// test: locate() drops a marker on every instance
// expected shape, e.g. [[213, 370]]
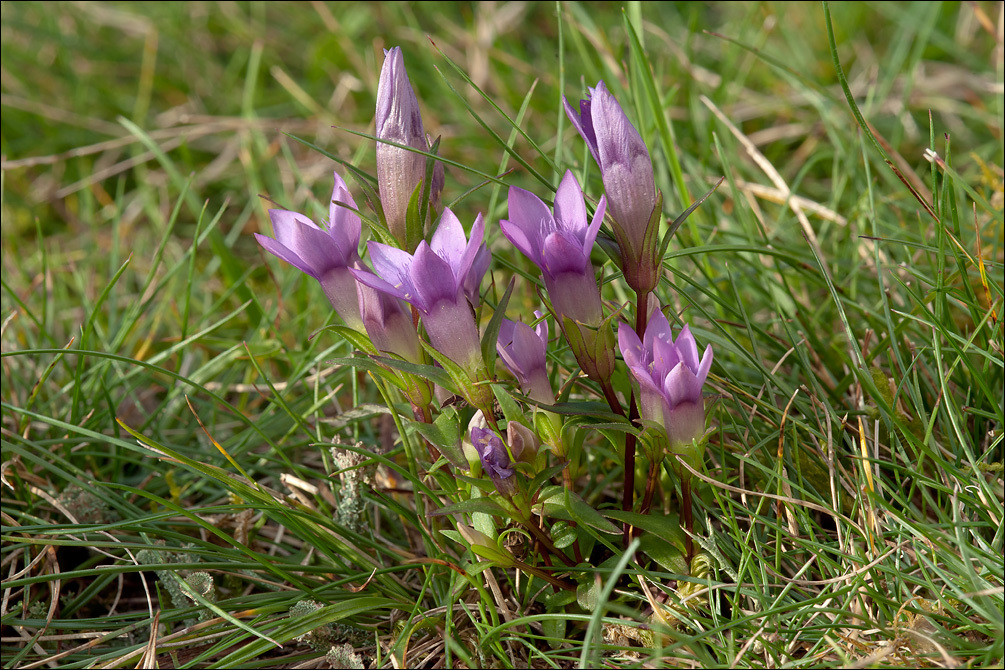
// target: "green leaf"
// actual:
[[568, 505], [511, 410], [588, 593], [445, 434], [545, 476], [668, 556], [554, 629], [667, 527], [672, 228], [583, 513], [491, 335], [483, 505]]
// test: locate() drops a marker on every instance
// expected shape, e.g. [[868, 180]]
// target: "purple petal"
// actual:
[[591, 233], [397, 107], [395, 267], [659, 341], [563, 255], [706, 364], [570, 211], [344, 224], [534, 219], [583, 123], [518, 238], [281, 252], [316, 251], [632, 351], [473, 280], [432, 278], [542, 327], [373, 281], [687, 349], [474, 247], [681, 386], [624, 164], [449, 241]]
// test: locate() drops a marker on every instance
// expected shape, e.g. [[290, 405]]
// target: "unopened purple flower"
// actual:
[[670, 376], [523, 351], [627, 172], [496, 461], [398, 120], [433, 280], [325, 255]]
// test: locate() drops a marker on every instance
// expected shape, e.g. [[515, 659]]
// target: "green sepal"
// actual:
[[491, 335], [650, 261], [371, 365], [428, 372], [427, 181], [355, 338], [413, 220], [476, 395]]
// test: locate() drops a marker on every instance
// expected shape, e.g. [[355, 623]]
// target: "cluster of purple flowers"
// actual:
[[436, 284]]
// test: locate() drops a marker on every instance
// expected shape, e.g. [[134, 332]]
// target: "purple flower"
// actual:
[[627, 172], [523, 350], [435, 280], [560, 246], [398, 120], [325, 255], [495, 460], [670, 377]]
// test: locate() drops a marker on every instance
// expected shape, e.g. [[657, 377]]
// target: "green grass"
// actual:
[[169, 400]]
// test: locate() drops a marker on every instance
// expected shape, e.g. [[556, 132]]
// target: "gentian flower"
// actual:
[[433, 280], [670, 376], [496, 461], [523, 351], [627, 172], [560, 246], [398, 120], [325, 255]]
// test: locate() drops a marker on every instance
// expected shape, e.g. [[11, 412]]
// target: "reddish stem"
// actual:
[[647, 501], [687, 512]]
